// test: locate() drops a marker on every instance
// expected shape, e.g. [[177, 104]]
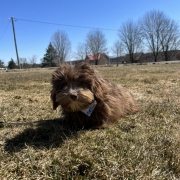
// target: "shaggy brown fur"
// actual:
[[74, 88]]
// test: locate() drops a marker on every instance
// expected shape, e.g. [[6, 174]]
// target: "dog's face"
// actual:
[[72, 87]]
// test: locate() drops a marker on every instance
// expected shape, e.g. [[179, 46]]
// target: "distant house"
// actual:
[[116, 60], [99, 59]]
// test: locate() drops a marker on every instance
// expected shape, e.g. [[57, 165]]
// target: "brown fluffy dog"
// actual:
[[86, 99]]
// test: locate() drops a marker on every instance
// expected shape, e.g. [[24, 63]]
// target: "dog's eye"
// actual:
[[84, 85], [62, 86]]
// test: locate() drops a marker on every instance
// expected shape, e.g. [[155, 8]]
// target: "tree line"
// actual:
[[23, 63], [155, 32]]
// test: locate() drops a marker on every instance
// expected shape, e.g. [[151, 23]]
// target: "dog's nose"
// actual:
[[73, 96]]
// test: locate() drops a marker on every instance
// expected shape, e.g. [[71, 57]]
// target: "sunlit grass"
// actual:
[[145, 145]]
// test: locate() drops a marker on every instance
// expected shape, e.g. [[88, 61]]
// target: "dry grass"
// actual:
[[141, 146]]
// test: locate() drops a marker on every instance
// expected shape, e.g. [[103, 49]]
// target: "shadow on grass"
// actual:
[[45, 134]]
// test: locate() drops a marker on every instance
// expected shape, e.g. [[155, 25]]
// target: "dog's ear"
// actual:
[[53, 99], [99, 87]]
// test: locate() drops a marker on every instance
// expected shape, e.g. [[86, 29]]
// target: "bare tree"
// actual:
[[32, 60], [117, 48], [1, 64], [23, 63], [131, 37], [81, 51], [169, 38], [152, 25], [96, 43], [62, 45]]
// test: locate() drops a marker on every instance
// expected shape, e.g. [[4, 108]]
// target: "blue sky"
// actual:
[[33, 38]]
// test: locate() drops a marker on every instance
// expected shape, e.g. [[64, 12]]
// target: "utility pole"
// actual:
[[12, 20]]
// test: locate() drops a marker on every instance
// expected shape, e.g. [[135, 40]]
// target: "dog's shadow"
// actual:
[[46, 134]]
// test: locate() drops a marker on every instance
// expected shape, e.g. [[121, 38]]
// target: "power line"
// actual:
[[2, 19], [59, 24], [4, 30]]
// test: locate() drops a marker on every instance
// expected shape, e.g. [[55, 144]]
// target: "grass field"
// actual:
[[143, 146]]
